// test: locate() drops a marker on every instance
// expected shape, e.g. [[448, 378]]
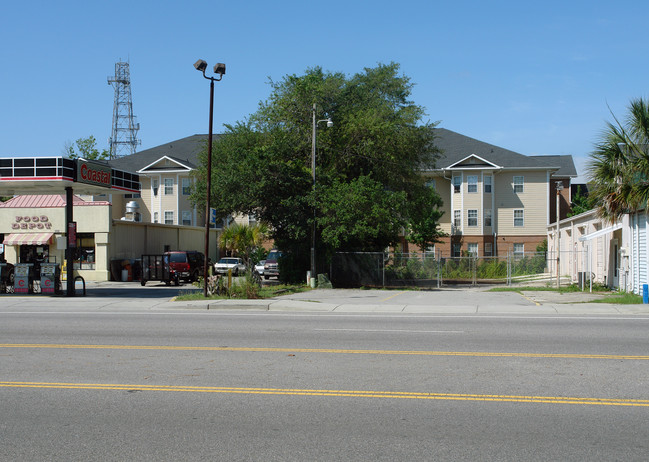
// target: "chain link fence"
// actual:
[[393, 269]]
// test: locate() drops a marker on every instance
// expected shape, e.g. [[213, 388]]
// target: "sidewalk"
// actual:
[[118, 296]]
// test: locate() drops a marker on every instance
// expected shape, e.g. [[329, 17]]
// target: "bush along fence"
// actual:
[[392, 269]]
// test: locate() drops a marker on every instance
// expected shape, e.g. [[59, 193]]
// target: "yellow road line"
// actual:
[[337, 393], [325, 350], [395, 295]]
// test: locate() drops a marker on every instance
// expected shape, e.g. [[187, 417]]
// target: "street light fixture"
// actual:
[[313, 229], [219, 69]]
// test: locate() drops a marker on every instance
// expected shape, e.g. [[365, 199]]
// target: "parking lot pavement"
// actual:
[[455, 300]]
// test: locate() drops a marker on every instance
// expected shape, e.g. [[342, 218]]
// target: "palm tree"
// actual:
[[241, 240], [619, 165]]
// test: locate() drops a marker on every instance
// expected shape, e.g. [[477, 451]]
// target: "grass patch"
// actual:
[[621, 299], [262, 293], [562, 290]]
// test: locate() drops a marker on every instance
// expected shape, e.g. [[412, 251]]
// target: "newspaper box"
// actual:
[[23, 278], [50, 278]]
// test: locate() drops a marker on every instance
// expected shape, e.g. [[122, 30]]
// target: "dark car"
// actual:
[[271, 267], [6, 277], [188, 264]]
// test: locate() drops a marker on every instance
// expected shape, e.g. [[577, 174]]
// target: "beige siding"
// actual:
[[533, 201]]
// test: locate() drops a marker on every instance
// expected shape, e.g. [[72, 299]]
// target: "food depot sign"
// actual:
[[94, 173]]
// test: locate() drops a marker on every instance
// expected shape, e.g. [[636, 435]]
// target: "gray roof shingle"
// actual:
[[456, 147], [184, 150]]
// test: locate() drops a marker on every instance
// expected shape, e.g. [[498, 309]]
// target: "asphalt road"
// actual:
[[142, 384]]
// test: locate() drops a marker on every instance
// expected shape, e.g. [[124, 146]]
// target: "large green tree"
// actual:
[[368, 169], [619, 165], [85, 148]]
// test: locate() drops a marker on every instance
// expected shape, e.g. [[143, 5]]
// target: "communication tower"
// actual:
[[123, 140]]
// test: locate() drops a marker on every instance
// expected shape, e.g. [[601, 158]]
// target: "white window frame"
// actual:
[[155, 186], [488, 219], [168, 186], [186, 186], [472, 218], [472, 184], [456, 250], [473, 248], [156, 218], [457, 184], [488, 249], [520, 218], [519, 250], [171, 213], [457, 218], [519, 184], [487, 184], [186, 217]]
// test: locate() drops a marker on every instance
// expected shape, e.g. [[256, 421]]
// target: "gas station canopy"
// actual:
[[52, 175]]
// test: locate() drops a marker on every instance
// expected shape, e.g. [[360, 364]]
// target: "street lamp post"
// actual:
[[559, 185], [219, 69], [313, 229]]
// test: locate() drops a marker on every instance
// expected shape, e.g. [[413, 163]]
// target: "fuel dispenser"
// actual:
[[23, 278], [50, 278]]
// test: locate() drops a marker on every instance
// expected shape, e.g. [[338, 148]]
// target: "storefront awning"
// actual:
[[27, 238]]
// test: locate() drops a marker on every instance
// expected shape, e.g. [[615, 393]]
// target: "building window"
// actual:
[[472, 182], [457, 218], [169, 186], [487, 184], [472, 217], [431, 184], [457, 183], [156, 219], [519, 218], [519, 182], [488, 249], [132, 196], [473, 249], [456, 249], [519, 251], [487, 217], [186, 183], [155, 184], [187, 218], [85, 251], [169, 217]]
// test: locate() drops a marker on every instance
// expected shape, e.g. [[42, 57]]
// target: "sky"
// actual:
[[533, 77]]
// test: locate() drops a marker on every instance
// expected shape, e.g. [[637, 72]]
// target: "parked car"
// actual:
[[230, 263], [271, 267], [7, 279], [259, 267], [187, 263]]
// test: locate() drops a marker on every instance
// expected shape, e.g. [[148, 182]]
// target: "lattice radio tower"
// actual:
[[123, 140]]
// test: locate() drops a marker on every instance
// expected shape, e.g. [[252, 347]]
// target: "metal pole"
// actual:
[[313, 229], [208, 189], [558, 241], [69, 252]]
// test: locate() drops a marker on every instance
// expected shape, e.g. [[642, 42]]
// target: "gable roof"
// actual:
[[183, 152], [457, 148]]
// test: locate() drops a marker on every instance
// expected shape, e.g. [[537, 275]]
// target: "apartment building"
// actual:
[[496, 201]]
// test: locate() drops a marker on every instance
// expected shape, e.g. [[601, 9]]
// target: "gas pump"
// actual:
[[23, 278], [50, 278]]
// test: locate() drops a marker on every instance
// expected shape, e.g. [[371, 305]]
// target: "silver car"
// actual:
[[230, 263]]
